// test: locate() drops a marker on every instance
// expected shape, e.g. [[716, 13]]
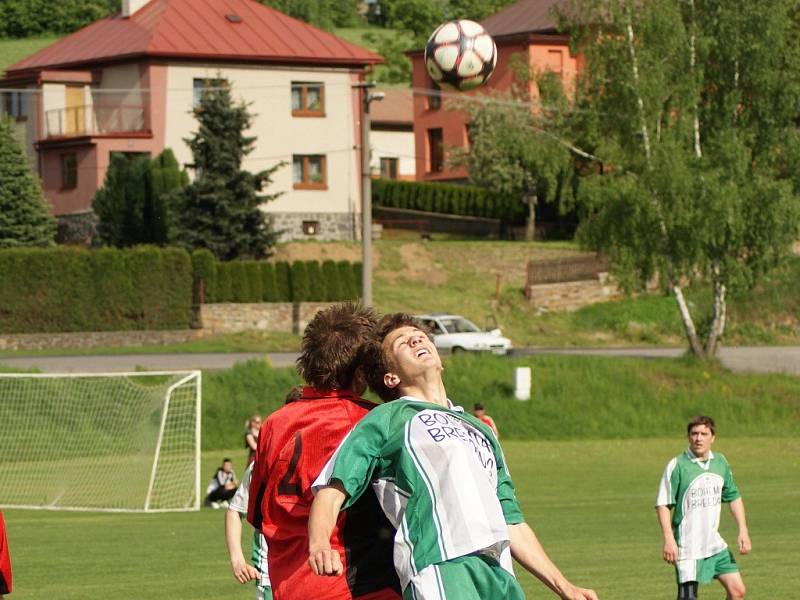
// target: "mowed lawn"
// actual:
[[589, 501]]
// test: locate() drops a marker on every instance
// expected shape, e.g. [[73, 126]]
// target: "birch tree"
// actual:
[[693, 107]]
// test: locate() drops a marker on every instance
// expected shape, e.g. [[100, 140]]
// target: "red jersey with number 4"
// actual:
[[5, 560], [294, 444]]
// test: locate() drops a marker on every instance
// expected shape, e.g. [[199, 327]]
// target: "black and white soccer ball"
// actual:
[[460, 55]]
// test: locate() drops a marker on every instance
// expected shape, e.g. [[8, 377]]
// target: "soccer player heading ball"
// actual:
[[694, 485], [440, 477]]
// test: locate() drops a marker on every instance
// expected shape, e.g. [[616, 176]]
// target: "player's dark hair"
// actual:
[[478, 406], [702, 420], [329, 354], [376, 361]]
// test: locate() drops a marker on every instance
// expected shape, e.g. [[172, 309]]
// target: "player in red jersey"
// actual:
[[294, 444], [5, 561]]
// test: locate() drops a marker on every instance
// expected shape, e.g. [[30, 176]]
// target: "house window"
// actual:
[[311, 227], [69, 171], [201, 87], [435, 151], [308, 99], [14, 105], [308, 172], [388, 168], [555, 61], [435, 99]]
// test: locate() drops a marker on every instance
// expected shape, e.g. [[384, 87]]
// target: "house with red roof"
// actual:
[[129, 83], [392, 135], [525, 31]]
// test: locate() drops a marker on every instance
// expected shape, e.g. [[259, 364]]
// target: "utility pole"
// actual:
[[366, 191]]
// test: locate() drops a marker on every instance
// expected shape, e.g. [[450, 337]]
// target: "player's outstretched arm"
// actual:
[[670, 552], [528, 552], [242, 571], [322, 559], [743, 540]]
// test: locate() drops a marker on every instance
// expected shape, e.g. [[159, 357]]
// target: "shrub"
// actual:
[[283, 282], [334, 289], [301, 290], [224, 291], [269, 289], [316, 284], [240, 286], [252, 272], [204, 268]]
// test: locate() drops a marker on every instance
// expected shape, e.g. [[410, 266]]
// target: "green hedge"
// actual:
[[445, 198], [259, 281], [48, 290]]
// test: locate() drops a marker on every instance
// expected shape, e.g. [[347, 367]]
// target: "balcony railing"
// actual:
[[94, 120]]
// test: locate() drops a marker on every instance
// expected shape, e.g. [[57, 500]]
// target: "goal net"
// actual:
[[113, 441]]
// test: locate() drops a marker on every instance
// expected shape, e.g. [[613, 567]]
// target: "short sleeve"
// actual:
[[729, 490], [241, 498], [356, 458], [507, 494], [668, 486]]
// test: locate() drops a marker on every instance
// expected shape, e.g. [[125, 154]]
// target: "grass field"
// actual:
[[590, 502], [12, 51]]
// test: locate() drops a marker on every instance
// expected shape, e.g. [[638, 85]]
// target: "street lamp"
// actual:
[[366, 191]]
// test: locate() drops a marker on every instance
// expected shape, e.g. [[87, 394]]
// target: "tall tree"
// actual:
[[24, 18], [513, 151], [325, 14], [693, 106], [25, 218], [221, 209]]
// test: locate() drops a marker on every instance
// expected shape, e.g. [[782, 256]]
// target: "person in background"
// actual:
[[223, 485], [480, 414], [251, 437], [5, 561]]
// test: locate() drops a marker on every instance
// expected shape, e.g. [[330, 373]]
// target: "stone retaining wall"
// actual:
[[570, 296], [93, 339], [286, 317]]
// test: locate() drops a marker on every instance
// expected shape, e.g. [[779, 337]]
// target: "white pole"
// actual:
[[522, 383]]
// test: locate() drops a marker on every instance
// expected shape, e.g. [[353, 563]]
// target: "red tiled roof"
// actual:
[[396, 108], [199, 29], [525, 16]]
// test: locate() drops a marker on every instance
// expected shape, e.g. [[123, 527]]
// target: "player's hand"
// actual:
[[325, 561], [670, 552], [576, 593], [244, 572], [744, 543]]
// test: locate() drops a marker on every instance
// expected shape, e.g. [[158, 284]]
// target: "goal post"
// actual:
[[121, 442]]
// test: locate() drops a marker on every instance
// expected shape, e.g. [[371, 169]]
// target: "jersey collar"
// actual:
[[450, 404], [703, 464], [310, 393]]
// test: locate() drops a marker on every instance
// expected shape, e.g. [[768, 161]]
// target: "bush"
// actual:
[[74, 289], [316, 284], [224, 291], [204, 268], [347, 280], [301, 289], [240, 286], [269, 289], [252, 272], [333, 287], [283, 282]]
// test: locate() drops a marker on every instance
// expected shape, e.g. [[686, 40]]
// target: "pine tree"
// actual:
[[165, 177], [24, 216], [119, 204], [221, 210]]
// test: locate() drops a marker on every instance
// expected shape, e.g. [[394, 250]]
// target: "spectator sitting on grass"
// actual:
[[223, 485]]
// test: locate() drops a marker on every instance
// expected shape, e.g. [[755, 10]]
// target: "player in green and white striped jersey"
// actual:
[[694, 486], [440, 477]]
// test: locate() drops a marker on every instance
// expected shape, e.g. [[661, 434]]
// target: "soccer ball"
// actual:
[[460, 55]]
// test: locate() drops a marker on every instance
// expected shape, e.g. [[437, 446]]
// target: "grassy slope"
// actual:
[[589, 501], [12, 51]]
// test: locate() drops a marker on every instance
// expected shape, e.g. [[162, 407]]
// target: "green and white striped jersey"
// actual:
[[696, 489], [440, 477]]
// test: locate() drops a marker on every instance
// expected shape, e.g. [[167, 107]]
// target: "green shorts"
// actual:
[[473, 577], [704, 570]]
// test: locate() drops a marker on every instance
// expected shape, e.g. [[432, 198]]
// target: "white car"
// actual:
[[454, 333]]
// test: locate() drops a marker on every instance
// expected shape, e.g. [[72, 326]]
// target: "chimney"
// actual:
[[129, 7]]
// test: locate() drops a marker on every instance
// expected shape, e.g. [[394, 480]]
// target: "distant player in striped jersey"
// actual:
[[242, 571], [440, 477], [294, 444], [693, 487]]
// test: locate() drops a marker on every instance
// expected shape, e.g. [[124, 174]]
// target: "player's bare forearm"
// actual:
[[670, 550], [325, 509], [743, 540], [242, 571], [528, 552]]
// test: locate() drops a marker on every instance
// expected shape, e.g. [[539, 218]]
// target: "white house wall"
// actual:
[[279, 135], [393, 144]]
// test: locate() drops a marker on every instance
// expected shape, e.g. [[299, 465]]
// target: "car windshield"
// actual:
[[459, 325]]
